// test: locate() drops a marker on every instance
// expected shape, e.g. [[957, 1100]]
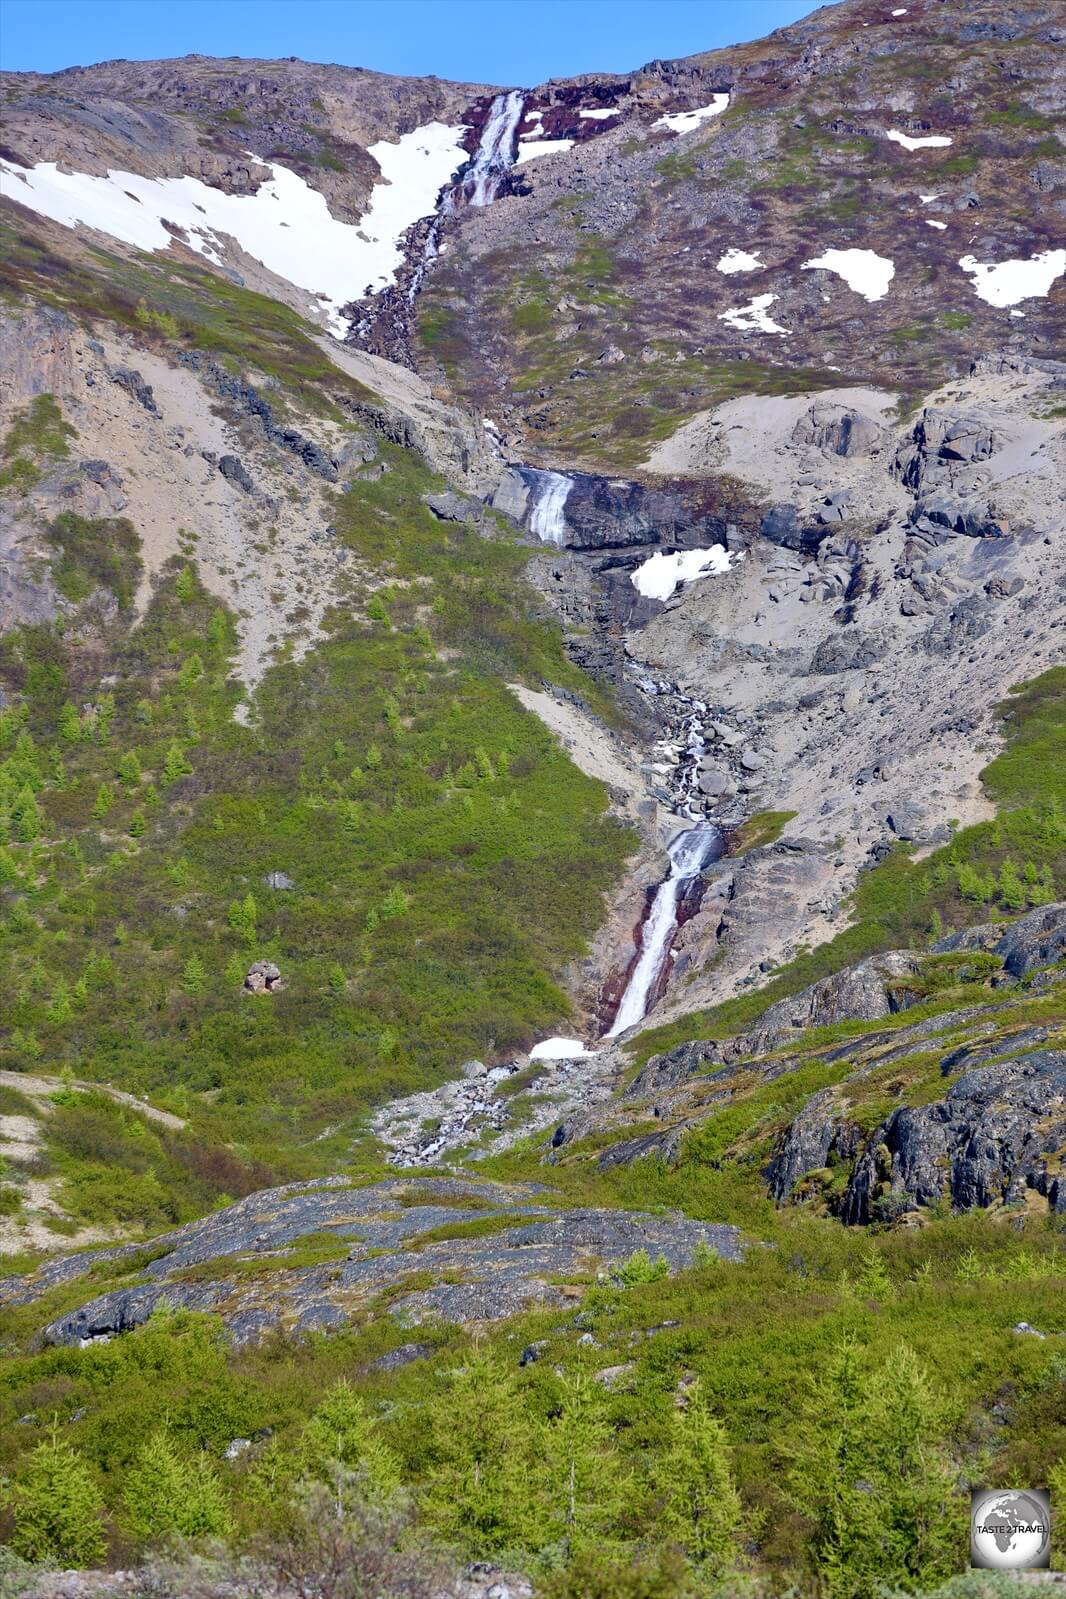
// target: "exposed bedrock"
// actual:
[[610, 514], [386, 1234]]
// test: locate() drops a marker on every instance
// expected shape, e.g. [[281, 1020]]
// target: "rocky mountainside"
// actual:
[[532, 844]]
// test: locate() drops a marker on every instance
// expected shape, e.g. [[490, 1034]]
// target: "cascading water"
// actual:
[[690, 851], [548, 494], [496, 150], [480, 183]]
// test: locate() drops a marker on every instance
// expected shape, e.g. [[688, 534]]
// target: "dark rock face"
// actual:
[[1034, 940], [813, 1138], [609, 514], [251, 402], [479, 1278], [993, 1136]]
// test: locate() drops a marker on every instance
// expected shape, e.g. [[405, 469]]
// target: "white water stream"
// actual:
[[548, 492], [496, 150], [689, 851], [480, 182]]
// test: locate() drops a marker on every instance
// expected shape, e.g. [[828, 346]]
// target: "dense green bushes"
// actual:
[[810, 1414]]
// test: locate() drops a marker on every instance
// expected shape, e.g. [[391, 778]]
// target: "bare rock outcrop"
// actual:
[[995, 1134]]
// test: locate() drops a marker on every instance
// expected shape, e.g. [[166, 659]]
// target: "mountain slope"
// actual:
[[531, 815]]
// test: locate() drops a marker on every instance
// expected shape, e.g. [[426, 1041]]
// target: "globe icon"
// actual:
[[1010, 1531]]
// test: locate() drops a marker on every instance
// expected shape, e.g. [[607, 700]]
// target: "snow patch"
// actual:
[[685, 121], [1018, 313], [752, 318], [901, 12], [285, 224], [526, 150], [927, 199], [658, 576], [941, 226], [1006, 282], [864, 271], [598, 113], [736, 260], [935, 141], [559, 1049]]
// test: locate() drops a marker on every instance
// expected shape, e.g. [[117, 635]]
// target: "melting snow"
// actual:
[[598, 113], [739, 261], [559, 1049], [931, 224], [685, 121], [286, 224], [1006, 282], [927, 199], [1018, 313], [868, 273], [752, 317], [902, 12], [658, 576], [935, 141], [527, 151]]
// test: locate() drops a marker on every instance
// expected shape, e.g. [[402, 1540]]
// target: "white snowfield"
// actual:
[[1002, 283], [559, 1049], [934, 141], [658, 576], [285, 224], [753, 318], [736, 260], [864, 271], [526, 151], [599, 113], [685, 121]]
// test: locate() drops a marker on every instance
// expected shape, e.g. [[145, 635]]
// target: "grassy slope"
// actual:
[[448, 858]]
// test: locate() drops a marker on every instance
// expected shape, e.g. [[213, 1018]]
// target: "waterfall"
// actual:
[[496, 150], [690, 850], [480, 182], [548, 494]]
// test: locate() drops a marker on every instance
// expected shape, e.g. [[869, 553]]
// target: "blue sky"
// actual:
[[512, 42]]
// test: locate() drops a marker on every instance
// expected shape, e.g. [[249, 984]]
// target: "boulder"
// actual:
[[837, 430], [263, 978], [234, 471], [846, 652]]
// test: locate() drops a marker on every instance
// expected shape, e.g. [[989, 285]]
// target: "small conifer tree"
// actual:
[[701, 1507], [58, 1508]]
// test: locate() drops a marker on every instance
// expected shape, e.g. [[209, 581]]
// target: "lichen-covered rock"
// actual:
[[387, 1234], [1032, 941], [997, 1132]]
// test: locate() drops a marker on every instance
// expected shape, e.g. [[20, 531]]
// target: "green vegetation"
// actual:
[[549, 1467], [36, 434], [449, 859], [764, 827], [95, 554]]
